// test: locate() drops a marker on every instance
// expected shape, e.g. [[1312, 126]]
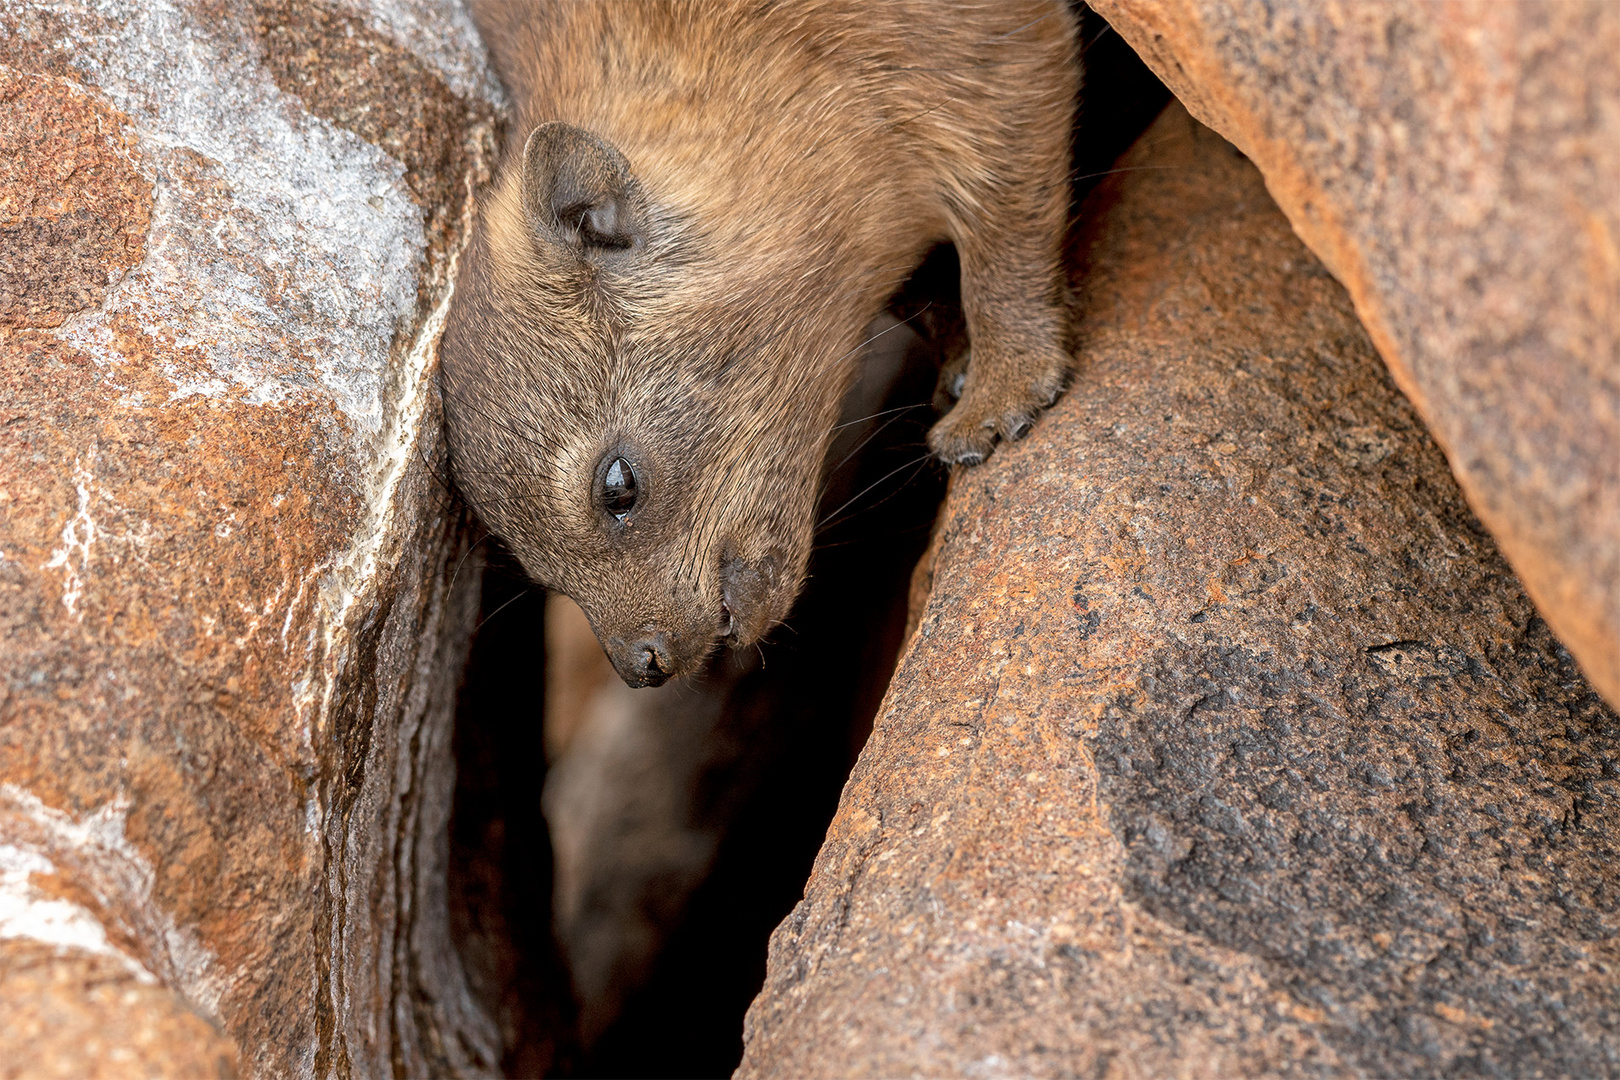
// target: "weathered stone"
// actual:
[[73, 207], [1227, 744], [1454, 166], [77, 1015], [230, 636]]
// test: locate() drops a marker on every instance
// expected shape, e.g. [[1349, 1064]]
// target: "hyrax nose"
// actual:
[[644, 661]]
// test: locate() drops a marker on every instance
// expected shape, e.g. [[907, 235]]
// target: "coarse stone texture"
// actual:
[[76, 1015], [230, 628], [1454, 166], [1226, 744]]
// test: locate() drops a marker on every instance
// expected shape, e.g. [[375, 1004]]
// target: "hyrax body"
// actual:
[[702, 206]]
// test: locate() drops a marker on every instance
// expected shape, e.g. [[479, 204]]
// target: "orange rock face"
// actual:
[[1226, 743], [74, 1016], [1453, 165], [228, 637], [75, 208]]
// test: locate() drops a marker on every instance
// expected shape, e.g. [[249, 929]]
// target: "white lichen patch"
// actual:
[[354, 578], [82, 533], [283, 251], [94, 851], [78, 536], [27, 912]]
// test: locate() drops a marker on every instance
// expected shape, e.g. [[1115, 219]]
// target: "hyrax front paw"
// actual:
[[999, 397]]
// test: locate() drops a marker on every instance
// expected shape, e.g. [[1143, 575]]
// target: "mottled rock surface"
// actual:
[[1227, 743], [1454, 166], [76, 1015], [229, 639]]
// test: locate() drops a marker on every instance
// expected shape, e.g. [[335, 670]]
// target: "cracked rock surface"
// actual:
[[1454, 166], [229, 632], [1227, 743]]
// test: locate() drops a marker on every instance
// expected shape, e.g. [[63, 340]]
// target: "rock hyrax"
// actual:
[[702, 205]]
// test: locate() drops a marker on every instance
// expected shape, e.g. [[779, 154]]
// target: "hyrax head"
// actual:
[[621, 410]]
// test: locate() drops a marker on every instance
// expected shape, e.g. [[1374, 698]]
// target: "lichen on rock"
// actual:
[[232, 631]]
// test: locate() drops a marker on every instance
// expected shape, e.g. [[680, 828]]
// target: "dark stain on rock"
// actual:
[[1394, 845], [1086, 620], [74, 208]]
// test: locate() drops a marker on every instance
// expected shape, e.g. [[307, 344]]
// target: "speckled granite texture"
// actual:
[[228, 635], [1227, 744], [1454, 166]]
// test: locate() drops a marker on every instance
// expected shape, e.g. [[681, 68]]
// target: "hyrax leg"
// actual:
[[1014, 298]]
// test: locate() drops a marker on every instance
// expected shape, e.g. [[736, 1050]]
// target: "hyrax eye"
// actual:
[[619, 488]]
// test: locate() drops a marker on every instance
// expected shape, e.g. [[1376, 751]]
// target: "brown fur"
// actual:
[[788, 165]]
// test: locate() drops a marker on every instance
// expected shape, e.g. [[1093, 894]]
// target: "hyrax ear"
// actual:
[[577, 189]]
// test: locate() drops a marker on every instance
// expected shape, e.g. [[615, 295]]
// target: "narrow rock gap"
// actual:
[[796, 717], [628, 935], [500, 853], [695, 810]]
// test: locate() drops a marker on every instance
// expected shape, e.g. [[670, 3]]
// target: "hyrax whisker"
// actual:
[[502, 608], [881, 413], [472, 547], [874, 433], [827, 521]]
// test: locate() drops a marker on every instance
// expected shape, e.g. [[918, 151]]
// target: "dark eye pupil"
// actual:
[[619, 488]]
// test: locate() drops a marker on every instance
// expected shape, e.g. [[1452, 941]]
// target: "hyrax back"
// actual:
[[702, 206]]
